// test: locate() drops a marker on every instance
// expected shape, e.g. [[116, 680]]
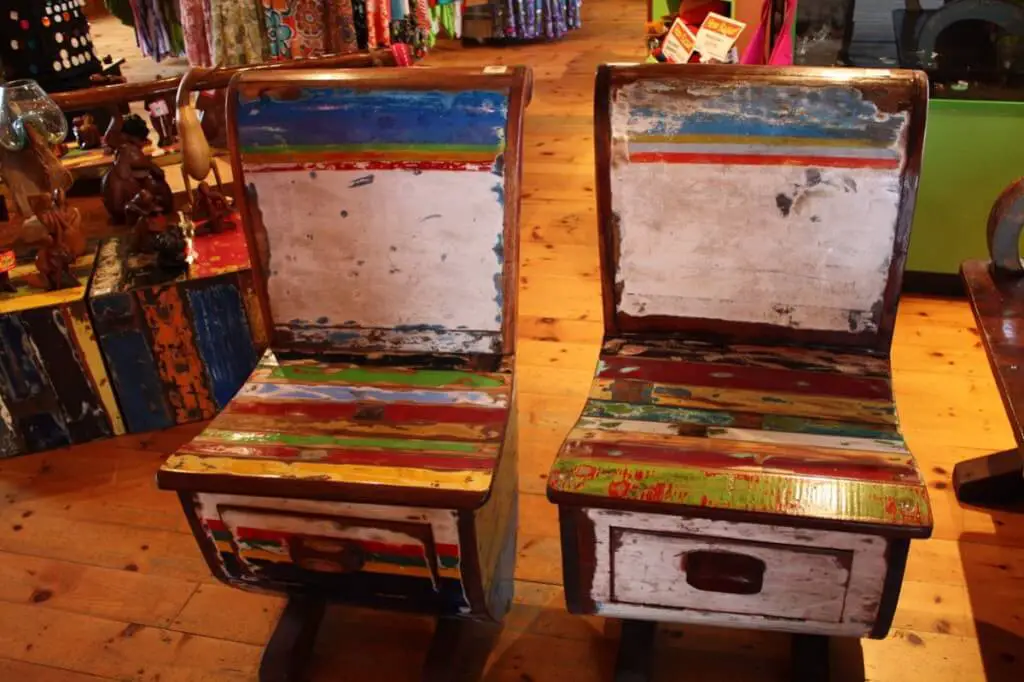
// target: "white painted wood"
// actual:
[[648, 570], [864, 583], [383, 248], [443, 522], [780, 438], [697, 240]]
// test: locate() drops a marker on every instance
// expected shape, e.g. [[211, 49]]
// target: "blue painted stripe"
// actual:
[[773, 111], [349, 394], [22, 377], [768, 149], [223, 338], [130, 363], [334, 116]]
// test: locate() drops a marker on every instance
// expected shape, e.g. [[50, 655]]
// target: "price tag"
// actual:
[[495, 69], [717, 35], [679, 43], [159, 108]]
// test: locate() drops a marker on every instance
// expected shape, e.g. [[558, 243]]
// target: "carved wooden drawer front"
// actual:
[[728, 576]]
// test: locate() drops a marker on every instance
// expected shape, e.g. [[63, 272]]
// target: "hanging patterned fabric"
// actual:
[[158, 28], [341, 29], [237, 33], [310, 28], [122, 9], [195, 23]]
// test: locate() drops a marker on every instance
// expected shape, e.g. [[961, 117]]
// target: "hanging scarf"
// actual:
[[195, 24], [238, 36]]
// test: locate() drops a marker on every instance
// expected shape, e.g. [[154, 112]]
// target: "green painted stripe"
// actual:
[[665, 415], [221, 535], [423, 378], [313, 440], [824, 428], [748, 491]]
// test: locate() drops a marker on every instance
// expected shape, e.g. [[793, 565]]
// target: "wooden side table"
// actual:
[[996, 291]]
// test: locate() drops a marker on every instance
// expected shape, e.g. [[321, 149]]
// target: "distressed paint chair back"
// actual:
[[383, 205], [757, 203]]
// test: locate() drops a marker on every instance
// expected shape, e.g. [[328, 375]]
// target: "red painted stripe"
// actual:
[[390, 413], [249, 533], [666, 371], [419, 460], [273, 167], [847, 465], [762, 160]]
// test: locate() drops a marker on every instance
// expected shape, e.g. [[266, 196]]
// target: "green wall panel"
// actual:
[[973, 150]]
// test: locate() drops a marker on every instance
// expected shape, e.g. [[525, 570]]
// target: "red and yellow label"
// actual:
[[7, 261]]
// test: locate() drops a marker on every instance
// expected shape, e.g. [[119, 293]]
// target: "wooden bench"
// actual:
[[996, 291], [738, 461], [370, 459]]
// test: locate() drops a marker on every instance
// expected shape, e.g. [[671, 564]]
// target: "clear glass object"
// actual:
[[23, 103]]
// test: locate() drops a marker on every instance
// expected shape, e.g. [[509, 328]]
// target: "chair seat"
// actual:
[[807, 434], [380, 433]]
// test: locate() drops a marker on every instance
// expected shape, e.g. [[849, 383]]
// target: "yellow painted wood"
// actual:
[[231, 421], [469, 481], [730, 399], [32, 294], [86, 337]]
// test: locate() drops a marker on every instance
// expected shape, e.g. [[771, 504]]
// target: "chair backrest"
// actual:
[[755, 203], [383, 205]]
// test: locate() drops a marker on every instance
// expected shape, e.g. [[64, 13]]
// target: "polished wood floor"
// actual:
[[101, 580]]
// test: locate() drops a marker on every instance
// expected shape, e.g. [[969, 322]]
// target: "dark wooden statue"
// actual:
[[87, 133], [64, 241], [212, 208], [142, 213], [132, 172]]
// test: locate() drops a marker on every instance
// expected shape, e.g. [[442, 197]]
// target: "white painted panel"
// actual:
[[648, 570], [405, 249], [710, 241], [863, 592], [443, 522]]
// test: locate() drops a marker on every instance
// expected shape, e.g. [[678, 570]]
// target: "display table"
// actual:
[[54, 389]]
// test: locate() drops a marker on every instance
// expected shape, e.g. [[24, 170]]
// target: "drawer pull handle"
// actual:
[[727, 572]]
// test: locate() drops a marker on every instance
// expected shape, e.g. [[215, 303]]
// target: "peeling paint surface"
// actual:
[[383, 215], [792, 192]]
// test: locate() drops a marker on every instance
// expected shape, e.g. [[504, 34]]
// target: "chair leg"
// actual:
[[459, 650], [809, 658], [990, 480], [636, 651], [290, 647]]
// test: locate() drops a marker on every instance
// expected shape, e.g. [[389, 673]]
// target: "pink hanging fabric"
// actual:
[[195, 20], [782, 52]]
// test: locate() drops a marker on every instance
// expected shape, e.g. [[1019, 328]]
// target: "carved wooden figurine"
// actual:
[[197, 157], [739, 460], [132, 172], [142, 214], [371, 457], [212, 209], [87, 133]]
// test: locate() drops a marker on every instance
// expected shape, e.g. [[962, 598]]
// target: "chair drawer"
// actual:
[[727, 575]]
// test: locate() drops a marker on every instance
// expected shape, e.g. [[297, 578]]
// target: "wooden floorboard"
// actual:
[[100, 579]]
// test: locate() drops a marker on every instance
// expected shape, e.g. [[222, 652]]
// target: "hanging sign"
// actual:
[[679, 43], [717, 35]]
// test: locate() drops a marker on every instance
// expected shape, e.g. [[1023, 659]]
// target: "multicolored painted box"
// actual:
[[371, 457], [177, 345], [54, 388]]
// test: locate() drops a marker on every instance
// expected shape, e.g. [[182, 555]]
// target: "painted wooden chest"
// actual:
[[178, 345], [371, 456], [739, 461], [54, 389]]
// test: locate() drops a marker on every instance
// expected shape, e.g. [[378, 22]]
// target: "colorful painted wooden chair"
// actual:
[[739, 460], [371, 457]]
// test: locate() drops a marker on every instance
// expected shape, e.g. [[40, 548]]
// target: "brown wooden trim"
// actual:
[[519, 98], [890, 90], [210, 79], [578, 559], [206, 545], [896, 559], [469, 563], [562, 498], [317, 489], [607, 227]]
